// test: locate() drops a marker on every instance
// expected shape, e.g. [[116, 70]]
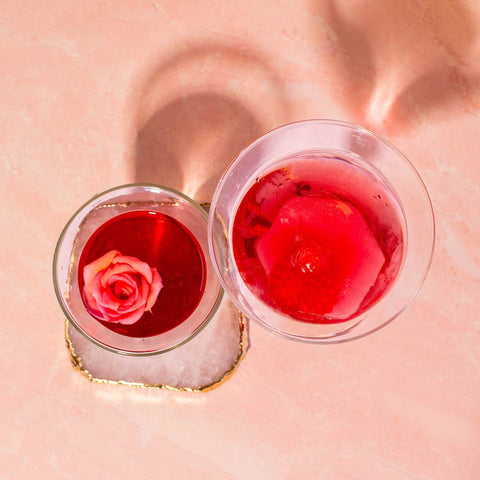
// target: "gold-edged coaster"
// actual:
[[202, 364]]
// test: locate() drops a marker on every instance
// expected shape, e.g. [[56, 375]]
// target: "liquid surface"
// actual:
[[164, 244], [319, 239]]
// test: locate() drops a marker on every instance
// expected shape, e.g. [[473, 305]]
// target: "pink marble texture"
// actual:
[[99, 93]]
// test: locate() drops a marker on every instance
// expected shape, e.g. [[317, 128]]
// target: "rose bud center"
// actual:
[[122, 290]]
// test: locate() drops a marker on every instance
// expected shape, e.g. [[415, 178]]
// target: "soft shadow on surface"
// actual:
[[198, 110], [189, 142], [393, 62]]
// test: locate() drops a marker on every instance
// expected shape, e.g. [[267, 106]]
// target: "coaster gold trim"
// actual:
[[242, 350]]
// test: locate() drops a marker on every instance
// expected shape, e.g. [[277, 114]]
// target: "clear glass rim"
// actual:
[[59, 295], [334, 338]]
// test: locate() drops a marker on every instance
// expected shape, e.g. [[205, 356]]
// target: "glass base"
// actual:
[[202, 364]]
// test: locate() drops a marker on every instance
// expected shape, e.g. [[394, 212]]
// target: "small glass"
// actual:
[[87, 220], [356, 147]]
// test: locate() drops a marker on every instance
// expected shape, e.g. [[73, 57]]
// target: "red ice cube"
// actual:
[[320, 257]]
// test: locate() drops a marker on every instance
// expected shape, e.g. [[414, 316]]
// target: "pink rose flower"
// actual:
[[120, 288]]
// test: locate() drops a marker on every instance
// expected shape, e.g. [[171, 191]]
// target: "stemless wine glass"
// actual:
[[93, 214], [356, 147]]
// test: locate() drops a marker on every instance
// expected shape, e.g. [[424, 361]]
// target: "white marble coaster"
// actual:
[[201, 364]]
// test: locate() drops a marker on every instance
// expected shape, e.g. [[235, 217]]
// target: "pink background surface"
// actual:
[[99, 93]]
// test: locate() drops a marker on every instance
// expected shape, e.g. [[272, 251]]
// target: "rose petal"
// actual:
[[126, 318], [91, 270], [144, 290], [104, 297], [155, 288], [139, 266], [122, 290], [109, 300], [111, 305], [129, 280], [131, 303], [127, 283], [96, 289], [112, 314], [117, 269], [131, 317], [90, 301]]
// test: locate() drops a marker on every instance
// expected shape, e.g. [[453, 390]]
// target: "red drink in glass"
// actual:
[[165, 244], [318, 238]]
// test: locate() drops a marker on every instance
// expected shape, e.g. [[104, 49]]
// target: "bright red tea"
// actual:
[[165, 244], [319, 239]]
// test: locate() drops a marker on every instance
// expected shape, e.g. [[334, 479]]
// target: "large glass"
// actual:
[[361, 167]]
